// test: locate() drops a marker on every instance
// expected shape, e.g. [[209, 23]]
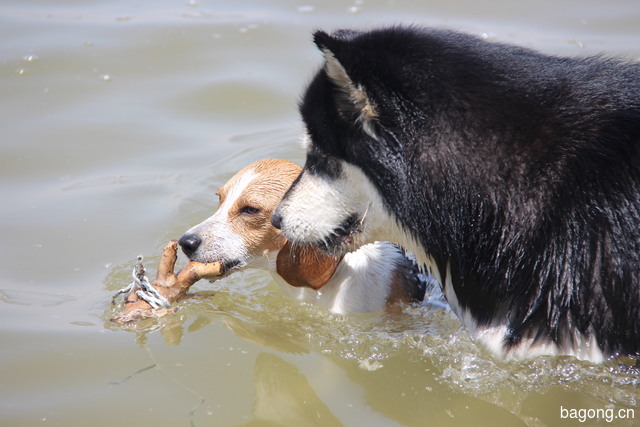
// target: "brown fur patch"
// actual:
[[264, 192], [305, 266]]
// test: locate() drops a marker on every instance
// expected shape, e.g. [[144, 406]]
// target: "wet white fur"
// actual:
[[360, 283]]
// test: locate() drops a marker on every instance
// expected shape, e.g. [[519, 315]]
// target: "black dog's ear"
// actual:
[[352, 97], [324, 40], [332, 42]]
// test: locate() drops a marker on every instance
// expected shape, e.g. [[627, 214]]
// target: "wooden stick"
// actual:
[[168, 284]]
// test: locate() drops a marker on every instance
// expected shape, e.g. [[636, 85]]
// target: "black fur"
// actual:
[[520, 169]]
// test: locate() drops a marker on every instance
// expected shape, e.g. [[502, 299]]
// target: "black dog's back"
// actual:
[[518, 172]]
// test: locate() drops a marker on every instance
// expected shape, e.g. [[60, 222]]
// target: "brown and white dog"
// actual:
[[375, 277]]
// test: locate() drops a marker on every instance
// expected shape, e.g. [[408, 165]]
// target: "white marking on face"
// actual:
[[219, 240], [317, 205], [236, 191]]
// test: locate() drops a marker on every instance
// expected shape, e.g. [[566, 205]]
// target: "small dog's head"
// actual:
[[240, 234]]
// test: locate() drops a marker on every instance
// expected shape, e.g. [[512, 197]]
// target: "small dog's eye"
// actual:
[[249, 210]]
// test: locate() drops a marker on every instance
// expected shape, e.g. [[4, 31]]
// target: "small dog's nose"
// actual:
[[189, 243], [276, 220]]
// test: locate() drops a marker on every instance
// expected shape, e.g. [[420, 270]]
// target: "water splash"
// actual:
[[428, 336]]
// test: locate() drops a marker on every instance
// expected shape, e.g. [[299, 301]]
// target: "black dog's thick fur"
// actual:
[[521, 170]]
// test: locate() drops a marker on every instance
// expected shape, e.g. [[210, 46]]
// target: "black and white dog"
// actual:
[[513, 175]]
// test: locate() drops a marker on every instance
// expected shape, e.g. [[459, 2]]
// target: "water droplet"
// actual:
[[30, 58], [306, 9], [105, 77], [577, 43]]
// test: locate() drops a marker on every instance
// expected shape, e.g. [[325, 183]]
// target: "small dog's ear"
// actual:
[[352, 97], [305, 266]]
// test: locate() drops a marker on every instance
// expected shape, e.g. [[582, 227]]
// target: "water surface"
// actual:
[[119, 121]]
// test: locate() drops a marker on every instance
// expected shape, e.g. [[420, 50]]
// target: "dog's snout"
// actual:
[[276, 220], [189, 244]]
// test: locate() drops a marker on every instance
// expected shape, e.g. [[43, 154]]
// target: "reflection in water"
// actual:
[[284, 396], [11, 296]]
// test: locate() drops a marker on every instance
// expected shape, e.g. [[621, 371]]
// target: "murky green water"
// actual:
[[118, 121]]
